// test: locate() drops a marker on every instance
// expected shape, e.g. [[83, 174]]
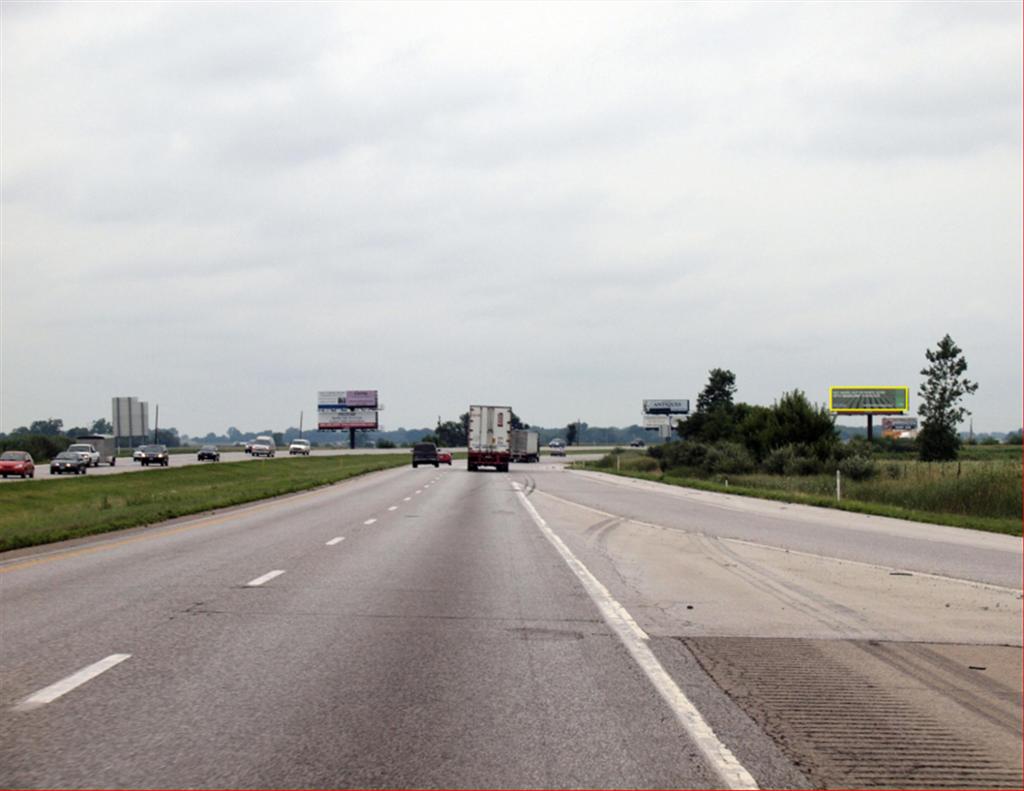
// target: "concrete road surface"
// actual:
[[542, 628]]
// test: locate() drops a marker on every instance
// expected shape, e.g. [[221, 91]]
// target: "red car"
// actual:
[[444, 457], [17, 462]]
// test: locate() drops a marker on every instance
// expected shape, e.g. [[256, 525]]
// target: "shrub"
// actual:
[[779, 459], [858, 467], [728, 457], [640, 464], [41, 447], [803, 465]]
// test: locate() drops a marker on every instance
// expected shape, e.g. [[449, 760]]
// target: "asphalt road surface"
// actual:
[[542, 628]]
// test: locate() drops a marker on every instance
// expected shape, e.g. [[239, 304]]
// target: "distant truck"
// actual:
[[104, 447], [524, 445], [489, 429]]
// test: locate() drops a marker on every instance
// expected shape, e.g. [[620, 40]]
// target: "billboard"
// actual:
[[348, 398], [346, 409], [666, 406], [899, 427], [130, 416], [662, 421], [330, 417], [868, 400]]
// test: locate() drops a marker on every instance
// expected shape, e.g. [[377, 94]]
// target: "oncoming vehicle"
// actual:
[[17, 462], [299, 447], [208, 452], [154, 454], [68, 461], [89, 453], [424, 453], [263, 446], [444, 457], [557, 447], [637, 443]]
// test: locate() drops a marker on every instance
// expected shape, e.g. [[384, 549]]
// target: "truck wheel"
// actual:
[[113, 462], [437, 464], [503, 468]]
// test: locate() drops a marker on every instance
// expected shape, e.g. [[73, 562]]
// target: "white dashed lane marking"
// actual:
[[64, 686], [369, 521], [265, 578], [334, 541]]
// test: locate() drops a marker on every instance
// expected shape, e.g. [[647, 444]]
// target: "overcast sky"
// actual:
[[222, 208]]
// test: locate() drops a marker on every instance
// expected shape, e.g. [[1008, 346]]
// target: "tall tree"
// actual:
[[50, 428], [719, 390], [102, 426], [941, 392], [571, 434]]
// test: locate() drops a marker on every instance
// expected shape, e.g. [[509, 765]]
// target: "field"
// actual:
[[44, 511], [983, 494]]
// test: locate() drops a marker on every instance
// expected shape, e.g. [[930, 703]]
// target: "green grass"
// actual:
[[43, 511], [982, 495]]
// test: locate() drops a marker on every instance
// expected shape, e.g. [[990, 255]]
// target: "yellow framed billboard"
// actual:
[[869, 400]]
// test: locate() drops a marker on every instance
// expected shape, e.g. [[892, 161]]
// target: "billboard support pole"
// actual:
[[352, 439], [870, 418]]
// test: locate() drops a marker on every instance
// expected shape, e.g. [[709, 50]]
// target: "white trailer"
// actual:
[[105, 445], [525, 445], [488, 441]]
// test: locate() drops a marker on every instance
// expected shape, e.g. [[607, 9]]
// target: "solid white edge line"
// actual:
[[334, 541], [369, 521], [265, 578], [720, 758], [64, 686]]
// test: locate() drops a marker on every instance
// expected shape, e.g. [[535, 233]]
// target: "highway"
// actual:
[[542, 628]]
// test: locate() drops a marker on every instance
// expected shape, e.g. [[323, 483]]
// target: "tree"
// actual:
[[570, 434], [451, 434], [102, 426], [51, 427], [719, 390], [941, 393]]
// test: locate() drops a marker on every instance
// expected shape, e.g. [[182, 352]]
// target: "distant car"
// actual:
[[210, 452], [637, 443], [424, 453], [444, 457], [90, 453], [248, 446], [154, 454], [138, 453], [263, 446], [299, 447], [68, 461], [17, 462]]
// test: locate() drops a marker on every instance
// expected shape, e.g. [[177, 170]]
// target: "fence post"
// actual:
[[838, 485]]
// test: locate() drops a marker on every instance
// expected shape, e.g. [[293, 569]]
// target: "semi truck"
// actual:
[[524, 445], [488, 438]]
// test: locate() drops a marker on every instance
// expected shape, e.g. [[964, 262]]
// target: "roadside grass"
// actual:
[[43, 511], [981, 495]]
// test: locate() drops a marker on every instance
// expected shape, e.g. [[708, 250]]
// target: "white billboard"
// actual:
[[130, 417], [666, 406], [356, 399], [332, 418]]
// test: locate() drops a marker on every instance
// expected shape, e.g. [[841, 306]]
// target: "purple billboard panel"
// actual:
[[361, 398]]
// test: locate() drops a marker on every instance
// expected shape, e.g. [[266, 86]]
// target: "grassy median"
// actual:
[[43, 511]]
